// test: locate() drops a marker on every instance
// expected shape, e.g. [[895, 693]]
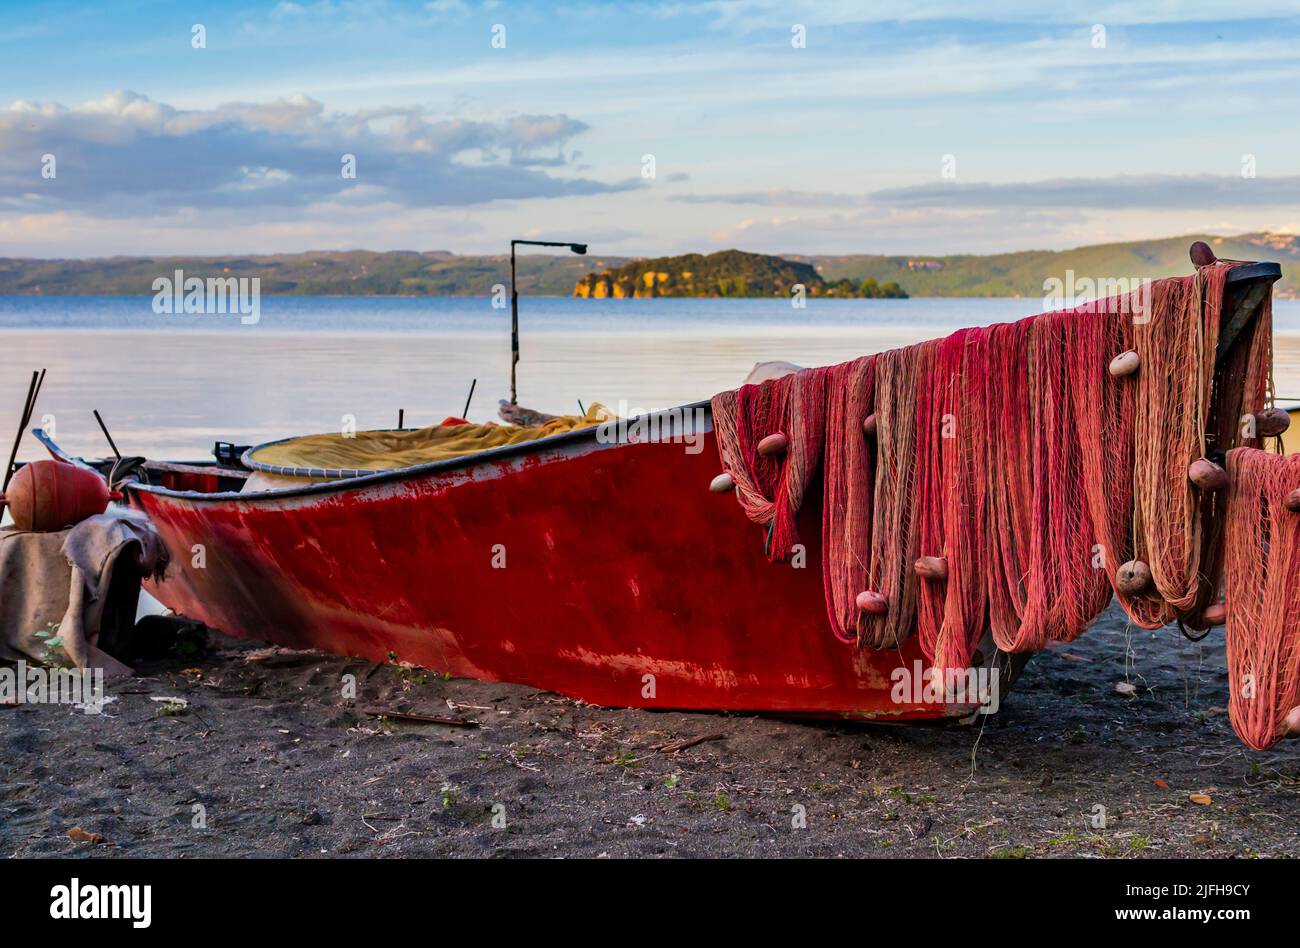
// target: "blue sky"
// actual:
[[1088, 123]]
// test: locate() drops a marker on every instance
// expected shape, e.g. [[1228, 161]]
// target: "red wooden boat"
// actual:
[[619, 564], [625, 581]]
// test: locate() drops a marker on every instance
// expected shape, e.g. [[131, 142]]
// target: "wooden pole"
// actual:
[[469, 398], [22, 425], [104, 428], [29, 405]]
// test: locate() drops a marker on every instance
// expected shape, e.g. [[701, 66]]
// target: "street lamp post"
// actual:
[[514, 300]]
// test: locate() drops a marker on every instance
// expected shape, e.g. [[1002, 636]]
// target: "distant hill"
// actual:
[[439, 273], [343, 273], [1023, 273]]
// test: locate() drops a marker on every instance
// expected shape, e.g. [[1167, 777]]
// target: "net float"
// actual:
[[774, 445], [1272, 422], [722, 483], [931, 567], [1291, 723], [46, 496], [872, 603], [1133, 578], [1215, 614], [1292, 501], [869, 425], [1207, 475], [1201, 254], [1126, 363]]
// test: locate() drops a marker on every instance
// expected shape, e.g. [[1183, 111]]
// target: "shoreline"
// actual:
[[281, 764]]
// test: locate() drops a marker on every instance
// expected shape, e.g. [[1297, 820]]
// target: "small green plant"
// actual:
[[1012, 852], [720, 802], [51, 645], [625, 758], [450, 796], [191, 641], [671, 781], [173, 708]]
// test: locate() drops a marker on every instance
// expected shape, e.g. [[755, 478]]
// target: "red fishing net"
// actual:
[[1015, 458], [1262, 586]]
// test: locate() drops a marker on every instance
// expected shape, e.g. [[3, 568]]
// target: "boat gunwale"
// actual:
[[489, 455]]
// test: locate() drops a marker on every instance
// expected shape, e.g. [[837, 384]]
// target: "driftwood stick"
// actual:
[[416, 716], [673, 747]]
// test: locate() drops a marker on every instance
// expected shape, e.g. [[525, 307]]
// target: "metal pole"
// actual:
[[514, 326]]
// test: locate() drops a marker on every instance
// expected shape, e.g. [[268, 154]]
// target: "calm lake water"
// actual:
[[168, 386]]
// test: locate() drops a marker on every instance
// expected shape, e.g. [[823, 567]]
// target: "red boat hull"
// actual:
[[606, 572]]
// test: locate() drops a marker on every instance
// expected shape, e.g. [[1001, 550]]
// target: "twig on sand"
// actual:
[[416, 716], [672, 747]]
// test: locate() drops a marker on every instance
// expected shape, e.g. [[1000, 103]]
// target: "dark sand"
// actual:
[[283, 766]]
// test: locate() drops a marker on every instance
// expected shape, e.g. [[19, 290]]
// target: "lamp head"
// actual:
[[578, 248]]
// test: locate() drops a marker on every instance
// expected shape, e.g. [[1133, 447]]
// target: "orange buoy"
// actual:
[[1133, 578], [1207, 475], [869, 425], [1126, 363], [50, 495], [1292, 501], [773, 445], [722, 483], [872, 603], [931, 567], [1272, 422], [1215, 614], [1291, 723]]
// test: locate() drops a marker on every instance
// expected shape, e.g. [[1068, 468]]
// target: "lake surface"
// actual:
[[168, 386]]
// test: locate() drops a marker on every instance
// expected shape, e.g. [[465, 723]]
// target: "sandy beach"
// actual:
[[267, 758]]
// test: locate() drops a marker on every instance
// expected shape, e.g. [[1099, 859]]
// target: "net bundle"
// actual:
[[1013, 465], [1262, 597]]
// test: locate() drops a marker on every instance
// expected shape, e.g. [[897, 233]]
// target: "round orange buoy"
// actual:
[[1291, 723], [1207, 475], [1215, 614], [931, 567], [1272, 422], [869, 425], [50, 495], [1292, 501], [774, 444], [1133, 578], [872, 603], [1126, 363], [722, 483]]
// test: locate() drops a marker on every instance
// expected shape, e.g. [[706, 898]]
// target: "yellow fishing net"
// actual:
[[312, 456]]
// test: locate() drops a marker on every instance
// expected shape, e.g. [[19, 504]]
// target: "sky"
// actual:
[[643, 128]]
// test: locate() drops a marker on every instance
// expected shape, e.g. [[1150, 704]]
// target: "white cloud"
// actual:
[[127, 155]]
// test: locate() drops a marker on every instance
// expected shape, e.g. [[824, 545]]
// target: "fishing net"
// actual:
[[1262, 595], [1012, 456], [336, 455]]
